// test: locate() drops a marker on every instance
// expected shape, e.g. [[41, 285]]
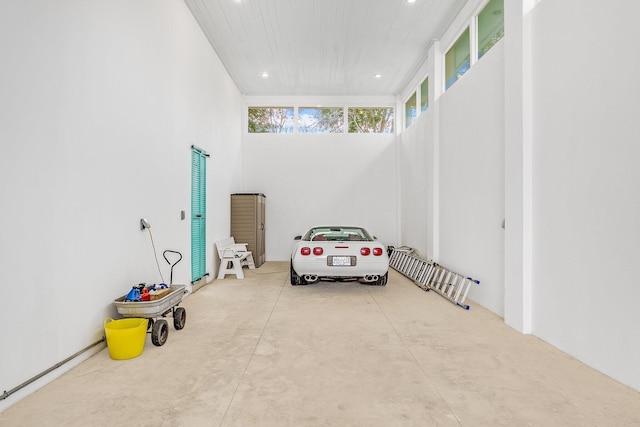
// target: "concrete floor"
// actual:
[[259, 352]]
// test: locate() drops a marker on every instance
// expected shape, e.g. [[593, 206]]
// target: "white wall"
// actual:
[[471, 165], [319, 179], [461, 138], [100, 103], [586, 204], [416, 188], [573, 144], [316, 179], [518, 165]]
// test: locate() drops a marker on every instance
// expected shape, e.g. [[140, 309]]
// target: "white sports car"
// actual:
[[338, 253]]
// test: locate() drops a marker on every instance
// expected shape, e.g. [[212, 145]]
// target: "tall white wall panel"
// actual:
[[322, 179], [586, 182], [101, 102], [472, 178]]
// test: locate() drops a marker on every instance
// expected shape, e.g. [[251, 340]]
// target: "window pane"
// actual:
[[270, 119], [410, 110], [370, 119], [457, 59], [320, 120], [490, 26], [424, 94]]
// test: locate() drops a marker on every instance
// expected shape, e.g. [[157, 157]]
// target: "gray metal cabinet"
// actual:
[[247, 223]]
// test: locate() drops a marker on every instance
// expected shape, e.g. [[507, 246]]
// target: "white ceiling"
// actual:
[[323, 47]]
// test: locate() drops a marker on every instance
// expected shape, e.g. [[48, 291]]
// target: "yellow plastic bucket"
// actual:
[[125, 337]]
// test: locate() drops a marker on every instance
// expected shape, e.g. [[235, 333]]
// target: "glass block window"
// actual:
[[410, 111], [270, 119], [320, 120], [424, 94], [370, 119], [490, 26], [457, 59]]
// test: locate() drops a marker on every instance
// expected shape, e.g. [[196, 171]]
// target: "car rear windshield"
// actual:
[[338, 234]]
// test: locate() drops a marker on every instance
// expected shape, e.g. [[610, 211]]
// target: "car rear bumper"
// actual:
[[320, 268]]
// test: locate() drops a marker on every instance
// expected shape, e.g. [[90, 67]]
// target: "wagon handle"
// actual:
[[164, 254]]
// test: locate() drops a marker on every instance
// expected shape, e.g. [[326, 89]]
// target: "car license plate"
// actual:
[[341, 261]]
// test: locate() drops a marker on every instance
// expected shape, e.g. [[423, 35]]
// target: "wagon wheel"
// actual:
[[179, 318], [150, 325], [159, 332]]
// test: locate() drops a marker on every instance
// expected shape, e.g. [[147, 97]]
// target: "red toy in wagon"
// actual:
[[155, 302]]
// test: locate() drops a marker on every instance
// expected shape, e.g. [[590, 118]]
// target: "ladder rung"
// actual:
[[428, 275]]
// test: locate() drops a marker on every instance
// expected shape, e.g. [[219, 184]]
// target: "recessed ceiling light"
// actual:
[[377, 75], [264, 74], [411, 1]]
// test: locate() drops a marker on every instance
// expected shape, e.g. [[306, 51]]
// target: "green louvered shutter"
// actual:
[[198, 213]]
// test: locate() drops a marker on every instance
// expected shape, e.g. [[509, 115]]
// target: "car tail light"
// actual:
[[365, 251], [305, 251], [377, 251], [317, 250]]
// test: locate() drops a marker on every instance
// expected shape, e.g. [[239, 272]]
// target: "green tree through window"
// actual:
[[320, 120], [370, 120], [270, 119], [490, 26]]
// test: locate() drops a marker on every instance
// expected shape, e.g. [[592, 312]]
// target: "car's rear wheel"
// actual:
[[295, 279], [382, 280]]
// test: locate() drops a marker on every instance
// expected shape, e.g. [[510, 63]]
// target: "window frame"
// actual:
[[466, 29], [477, 31], [274, 107], [331, 107], [414, 96], [367, 107], [345, 124], [474, 48], [424, 106]]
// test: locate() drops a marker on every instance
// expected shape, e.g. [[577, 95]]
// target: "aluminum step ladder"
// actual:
[[429, 275]]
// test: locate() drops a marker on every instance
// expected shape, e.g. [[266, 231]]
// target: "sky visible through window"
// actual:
[[320, 119]]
